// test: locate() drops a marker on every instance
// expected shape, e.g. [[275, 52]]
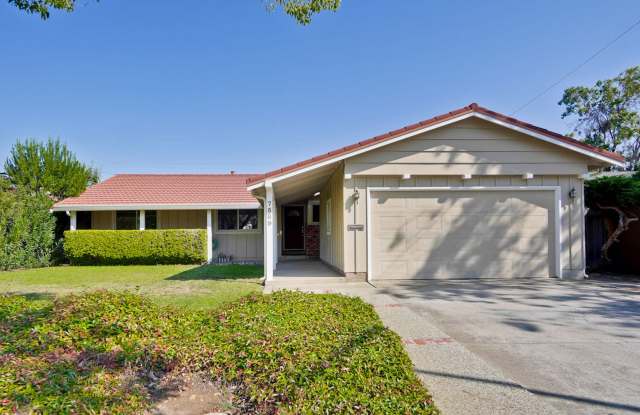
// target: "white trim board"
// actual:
[[186, 206], [485, 117], [557, 209]]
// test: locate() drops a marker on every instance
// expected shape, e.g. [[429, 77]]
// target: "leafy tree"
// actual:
[[301, 10], [48, 167], [26, 228], [607, 113], [620, 195]]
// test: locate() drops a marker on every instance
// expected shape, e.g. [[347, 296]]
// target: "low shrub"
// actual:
[[148, 247], [288, 353]]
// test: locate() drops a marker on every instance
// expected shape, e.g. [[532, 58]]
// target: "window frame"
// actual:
[[312, 205], [237, 228]]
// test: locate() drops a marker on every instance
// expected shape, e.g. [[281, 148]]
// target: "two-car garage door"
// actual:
[[450, 234]]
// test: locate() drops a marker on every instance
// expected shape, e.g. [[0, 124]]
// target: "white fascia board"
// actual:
[[551, 140], [197, 206], [485, 117]]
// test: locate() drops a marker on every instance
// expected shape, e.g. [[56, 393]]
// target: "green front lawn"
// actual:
[[286, 353], [196, 287]]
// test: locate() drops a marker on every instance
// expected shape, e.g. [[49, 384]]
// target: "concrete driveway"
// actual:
[[519, 347], [574, 344]]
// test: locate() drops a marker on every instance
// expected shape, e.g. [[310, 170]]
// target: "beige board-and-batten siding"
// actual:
[[493, 155], [242, 245], [332, 237]]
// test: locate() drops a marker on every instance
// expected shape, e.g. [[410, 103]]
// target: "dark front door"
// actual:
[[294, 228]]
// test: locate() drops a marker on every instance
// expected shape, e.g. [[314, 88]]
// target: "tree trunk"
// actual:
[[623, 224]]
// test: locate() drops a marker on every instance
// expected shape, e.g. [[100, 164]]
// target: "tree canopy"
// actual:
[[607, 114], [619, 195], [301, 10], [48, 167]]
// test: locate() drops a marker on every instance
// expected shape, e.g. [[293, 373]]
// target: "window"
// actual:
[[248, 219], [127, 219], [151, 219], [315, 213], [83, 220], [240, 219], [327, 216]]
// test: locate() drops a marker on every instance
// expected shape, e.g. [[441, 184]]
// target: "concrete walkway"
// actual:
[[460, 381]]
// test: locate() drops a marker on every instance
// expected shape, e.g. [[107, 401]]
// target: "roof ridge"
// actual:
[[473, 107]]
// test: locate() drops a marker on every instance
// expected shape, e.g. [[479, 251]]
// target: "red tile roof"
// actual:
[[429, 122], [161, 189]]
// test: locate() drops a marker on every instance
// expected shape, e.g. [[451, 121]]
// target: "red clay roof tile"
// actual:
[[160, 189]]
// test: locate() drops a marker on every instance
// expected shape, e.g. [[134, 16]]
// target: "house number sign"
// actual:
[[269, 202]]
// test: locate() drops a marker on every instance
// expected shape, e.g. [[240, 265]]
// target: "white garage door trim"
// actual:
[[557, 209]]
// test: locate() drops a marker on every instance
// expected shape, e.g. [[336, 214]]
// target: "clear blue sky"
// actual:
[[216, 85]]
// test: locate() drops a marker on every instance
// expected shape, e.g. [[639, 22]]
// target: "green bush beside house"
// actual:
[[128, 247]]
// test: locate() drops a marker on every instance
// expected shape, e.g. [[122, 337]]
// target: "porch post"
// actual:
[[72, 220], [142, 220], [269, 208], [275, 234], [209, 237]]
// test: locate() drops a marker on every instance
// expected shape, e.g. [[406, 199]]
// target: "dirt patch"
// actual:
[[192, 395]]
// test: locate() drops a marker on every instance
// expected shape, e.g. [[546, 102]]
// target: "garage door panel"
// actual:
[[477, 223], [427, 222], [462, 234]]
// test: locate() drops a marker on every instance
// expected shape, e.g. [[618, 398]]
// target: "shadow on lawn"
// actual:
[[220, 272], [33, 296]]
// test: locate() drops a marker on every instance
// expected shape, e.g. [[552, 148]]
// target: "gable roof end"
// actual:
[[470, 110]]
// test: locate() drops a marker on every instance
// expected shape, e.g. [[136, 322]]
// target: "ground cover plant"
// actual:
[[285, 353]]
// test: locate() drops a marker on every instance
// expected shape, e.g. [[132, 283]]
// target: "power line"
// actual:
[[577, 68]]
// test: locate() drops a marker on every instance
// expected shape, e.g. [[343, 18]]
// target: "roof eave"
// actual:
[[61, 207], [437, 122]]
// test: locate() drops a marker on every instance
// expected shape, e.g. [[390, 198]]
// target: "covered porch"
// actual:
[[303, 267], [303, 211]]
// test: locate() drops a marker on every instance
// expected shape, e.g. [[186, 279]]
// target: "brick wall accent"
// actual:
[[312, 240]]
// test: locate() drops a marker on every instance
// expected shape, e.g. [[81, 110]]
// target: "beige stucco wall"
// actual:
[[571, 215], [332, 246]]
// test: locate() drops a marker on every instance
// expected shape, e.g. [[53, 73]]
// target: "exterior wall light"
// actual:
[[572, 193]]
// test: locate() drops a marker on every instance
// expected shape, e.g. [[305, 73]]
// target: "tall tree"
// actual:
[[48, 167], [607, 114], [301, 10], [619, 195]]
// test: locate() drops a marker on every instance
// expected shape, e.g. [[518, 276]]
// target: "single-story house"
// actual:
[[468, 194]]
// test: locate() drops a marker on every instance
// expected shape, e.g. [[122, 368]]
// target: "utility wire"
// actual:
[[577, 68]]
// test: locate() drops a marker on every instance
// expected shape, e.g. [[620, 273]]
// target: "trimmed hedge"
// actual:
[[148, 247]]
